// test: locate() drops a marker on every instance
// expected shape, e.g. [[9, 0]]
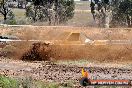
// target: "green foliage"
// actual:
[[67, 84], [67, 10], [53, 85], [4, 9], [122, 13], [11, 19], [11, 15], [6, 82], [115, 13], [29, 11], [27, 82], [53, 11], [12, 22]]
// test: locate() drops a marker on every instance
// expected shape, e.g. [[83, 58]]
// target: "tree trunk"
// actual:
[[49, 17], [5, 17], [105, 18], [106, 25]]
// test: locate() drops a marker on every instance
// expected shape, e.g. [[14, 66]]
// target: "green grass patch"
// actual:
[[6, 82], [28, 82], [40, 84]]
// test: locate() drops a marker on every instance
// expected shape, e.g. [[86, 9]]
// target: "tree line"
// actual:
[[110, 13], [52, 11], [106, 13]]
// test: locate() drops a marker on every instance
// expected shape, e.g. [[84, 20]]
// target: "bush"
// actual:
[[12, 22], [11, 19]]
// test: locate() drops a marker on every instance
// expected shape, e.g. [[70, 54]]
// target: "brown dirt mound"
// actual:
[[39, 52]]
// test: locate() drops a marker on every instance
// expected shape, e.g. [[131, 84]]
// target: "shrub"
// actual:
[[11, 19]]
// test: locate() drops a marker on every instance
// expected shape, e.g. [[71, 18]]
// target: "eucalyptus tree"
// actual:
[[108, 13], [4, 9], [52, 11]]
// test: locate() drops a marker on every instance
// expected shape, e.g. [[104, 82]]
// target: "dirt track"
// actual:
[[110, 53], [59, 72], [48, 71]]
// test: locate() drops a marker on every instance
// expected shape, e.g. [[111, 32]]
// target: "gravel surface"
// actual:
[[48, 71]]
